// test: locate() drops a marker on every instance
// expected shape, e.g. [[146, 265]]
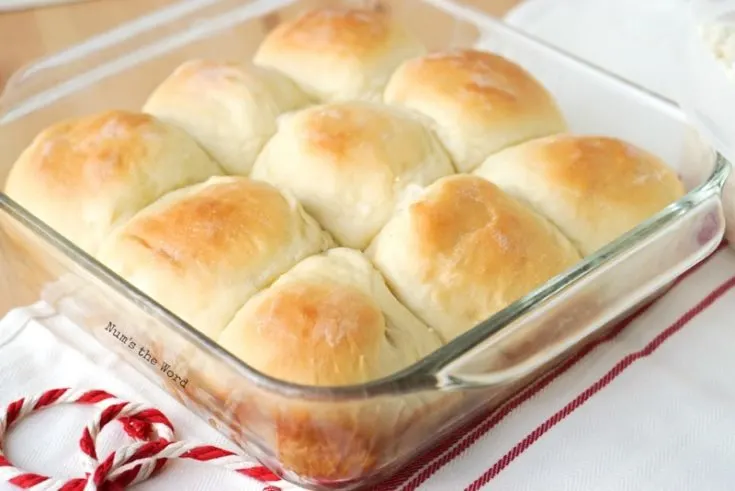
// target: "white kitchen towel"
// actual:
[[651, 409]]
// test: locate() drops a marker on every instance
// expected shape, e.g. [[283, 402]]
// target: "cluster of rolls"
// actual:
[[344, 204]]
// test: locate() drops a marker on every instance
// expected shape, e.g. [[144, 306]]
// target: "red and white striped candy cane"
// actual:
[[140, 422], [136, 463], [21, 408], [128, 465]]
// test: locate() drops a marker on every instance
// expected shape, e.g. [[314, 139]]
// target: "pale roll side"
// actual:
[[87, 175], [338, 53], [351, 163], [593, 188], [202, 251], [480, 102], [465, 250], [229, 108]]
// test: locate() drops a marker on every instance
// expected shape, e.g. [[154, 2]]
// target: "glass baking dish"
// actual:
[[349, 437]]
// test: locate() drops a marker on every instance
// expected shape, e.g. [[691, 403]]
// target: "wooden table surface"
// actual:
[[29, 34]]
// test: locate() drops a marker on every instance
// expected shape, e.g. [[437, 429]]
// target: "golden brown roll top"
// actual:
[[480, 102], [329, 321], [593, 188], [229, 108], [86, 175], [338, 53], [465, 250], [204, 250], [350, 163]]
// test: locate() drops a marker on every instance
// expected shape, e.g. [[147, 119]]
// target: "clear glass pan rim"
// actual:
[[422, 374]]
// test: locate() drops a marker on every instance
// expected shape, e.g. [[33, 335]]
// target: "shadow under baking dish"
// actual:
[[349, 437]]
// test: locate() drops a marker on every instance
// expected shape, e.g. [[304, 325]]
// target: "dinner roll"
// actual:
[[338, 53], [465, 250], [480, 102], [350, 163], [86, 175], [329, 321], [202, 251], [593, 188], [229, 108]]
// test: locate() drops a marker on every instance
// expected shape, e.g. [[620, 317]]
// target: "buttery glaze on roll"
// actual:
[[229, 108], [329, 321], [593, 188], [85, 176], [202, 251], [465, 250], [351, 163], [480, 102], [338, 53]]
